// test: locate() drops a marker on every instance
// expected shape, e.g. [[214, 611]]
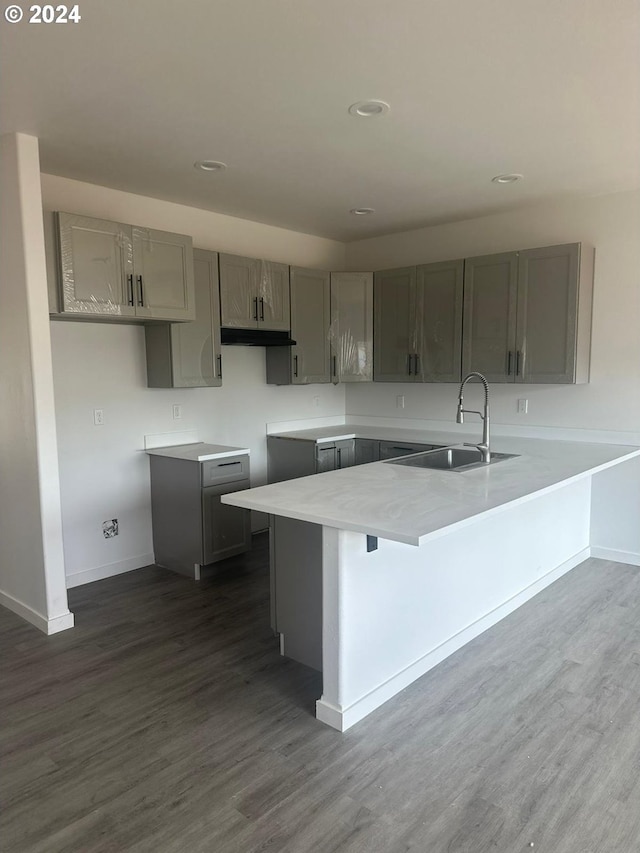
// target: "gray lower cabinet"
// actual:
[[418, 323], [393, 449], [191, 527], [296, 596], [110, 270], [366, 450], [189, 355], [290, 458], [309, 361], [527, 315], [254, 294]]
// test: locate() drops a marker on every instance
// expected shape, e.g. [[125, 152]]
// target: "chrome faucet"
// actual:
[[483, 447]]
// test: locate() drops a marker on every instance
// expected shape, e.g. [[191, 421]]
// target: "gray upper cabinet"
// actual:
[[96, 266], [112, 270], [254, 294], [490, 295], [188, 355], [553, 329], [163, 270], [395, 343], [351, 332], [439, 294], [418, 323], [527, 315], [308, 362]]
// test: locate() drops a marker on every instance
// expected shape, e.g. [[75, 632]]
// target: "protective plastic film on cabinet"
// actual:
[[96, 266], [351, 327], [270, 294]]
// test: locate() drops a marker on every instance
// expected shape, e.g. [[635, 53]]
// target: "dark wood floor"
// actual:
[[166, 722]]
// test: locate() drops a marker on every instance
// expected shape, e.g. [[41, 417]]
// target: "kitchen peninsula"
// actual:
[[410, 564]]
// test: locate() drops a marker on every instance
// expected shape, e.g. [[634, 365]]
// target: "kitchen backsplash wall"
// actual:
[[611, 401]]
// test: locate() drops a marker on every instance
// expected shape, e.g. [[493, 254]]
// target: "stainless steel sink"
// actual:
[[451, 459]]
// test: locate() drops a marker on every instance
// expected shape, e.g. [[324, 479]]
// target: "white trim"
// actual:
[[616, 556], [343, 718], [99, 573], [47, 626], [332, 716]]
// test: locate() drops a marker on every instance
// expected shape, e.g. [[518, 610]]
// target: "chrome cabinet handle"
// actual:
[[220, 366], [335, 366], [509, 358], [409, 364], [130, 300], [518, 363], [295, 365], [140, 291], [261, 308], [255, 308]]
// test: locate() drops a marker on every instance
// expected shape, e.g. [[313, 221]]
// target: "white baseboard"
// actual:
[[46, 625], [110, 570], [344, 718], [616, 556]]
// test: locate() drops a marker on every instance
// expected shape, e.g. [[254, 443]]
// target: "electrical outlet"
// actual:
[[110, 528], [177, 411], [400, 401], [98, 417], [316, 401], [523, 406]]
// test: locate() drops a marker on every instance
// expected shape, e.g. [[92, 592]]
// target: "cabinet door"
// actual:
[[351, 326], [310, 300], [394, 331], [226, 529], [273, 297], [238, 291], [96, 266], [439, 310], [489, 337], [366, 450], [188, 355], [547, 314], [326, 458], [163, 269], [345, 453]]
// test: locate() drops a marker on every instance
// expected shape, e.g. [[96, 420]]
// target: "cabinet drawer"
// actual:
[[392, 449], [227, 470]]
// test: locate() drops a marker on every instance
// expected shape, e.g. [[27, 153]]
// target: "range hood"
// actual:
[[256, 338]]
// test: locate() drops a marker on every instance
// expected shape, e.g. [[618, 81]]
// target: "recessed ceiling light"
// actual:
[[507, 179], [210, 165], [361, 211], [369, 109]]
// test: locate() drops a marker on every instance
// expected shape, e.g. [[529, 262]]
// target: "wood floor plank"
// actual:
[[167, 722]]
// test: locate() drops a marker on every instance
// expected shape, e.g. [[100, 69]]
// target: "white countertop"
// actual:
[[198, 451], [411, 505], [337, 433]]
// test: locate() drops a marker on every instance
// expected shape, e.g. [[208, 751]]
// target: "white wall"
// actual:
[[103, 472], [31, 557], [611, 401]]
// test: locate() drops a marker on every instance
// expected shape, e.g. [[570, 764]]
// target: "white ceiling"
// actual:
[[137, 91]]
